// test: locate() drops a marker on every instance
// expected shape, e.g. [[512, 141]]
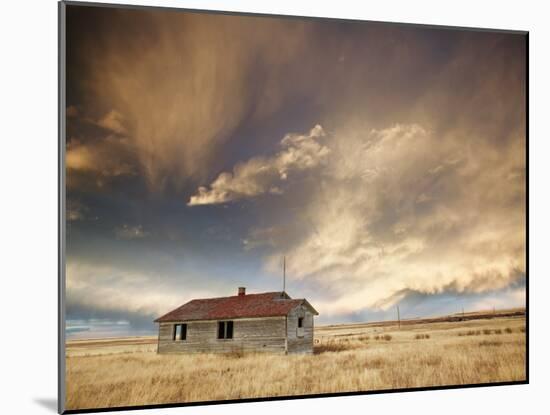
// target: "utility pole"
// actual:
[[284, 273]]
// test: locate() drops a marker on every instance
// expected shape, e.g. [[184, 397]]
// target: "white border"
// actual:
[[29, 209]]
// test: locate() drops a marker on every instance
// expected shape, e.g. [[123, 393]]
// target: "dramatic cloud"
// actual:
[[106, 288], [98, 153], [111, 293], [113, 121], [401, 209], [261, 175], [103, 158], [184, 179], [182, 83]]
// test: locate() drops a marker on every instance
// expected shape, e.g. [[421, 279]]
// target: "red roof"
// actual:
[[238, 306]]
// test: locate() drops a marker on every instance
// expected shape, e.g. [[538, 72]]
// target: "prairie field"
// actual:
[[347, 358]]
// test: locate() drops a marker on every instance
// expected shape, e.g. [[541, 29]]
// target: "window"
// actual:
[[229, 330], [180, 332], [300, 328], [225, 329]]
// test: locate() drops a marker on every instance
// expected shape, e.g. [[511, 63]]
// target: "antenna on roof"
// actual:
[[284, 273]]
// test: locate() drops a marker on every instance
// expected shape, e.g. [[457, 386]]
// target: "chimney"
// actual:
[[242, 291]]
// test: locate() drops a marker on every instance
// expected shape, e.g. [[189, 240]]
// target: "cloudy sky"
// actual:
[[386, 162]]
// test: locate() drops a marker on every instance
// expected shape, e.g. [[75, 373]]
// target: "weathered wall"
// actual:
[[300, 341], [259, 334]]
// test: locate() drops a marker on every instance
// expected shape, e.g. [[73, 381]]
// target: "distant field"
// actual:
[[461, 349]]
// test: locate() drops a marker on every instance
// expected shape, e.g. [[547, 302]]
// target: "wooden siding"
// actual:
[[300, 341], [265, 334]]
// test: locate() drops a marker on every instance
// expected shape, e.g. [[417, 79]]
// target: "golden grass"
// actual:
[[111, 375]]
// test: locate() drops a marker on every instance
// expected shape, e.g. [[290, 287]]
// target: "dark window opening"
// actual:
[[225, 329], [180, 332], [300, 322], [229, 330]]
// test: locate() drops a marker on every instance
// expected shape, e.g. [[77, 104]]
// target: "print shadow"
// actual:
[[48, 403]]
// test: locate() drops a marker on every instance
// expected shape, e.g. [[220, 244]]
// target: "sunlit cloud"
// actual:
[[99, 157], [203, 94], [113, 121], [110, 289], [190, 145], [261, 175], [370, 247]]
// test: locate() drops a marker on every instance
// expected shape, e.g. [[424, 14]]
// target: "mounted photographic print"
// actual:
[[258, 207]]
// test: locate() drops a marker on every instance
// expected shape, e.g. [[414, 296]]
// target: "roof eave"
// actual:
[[309, 306], [171, 320]]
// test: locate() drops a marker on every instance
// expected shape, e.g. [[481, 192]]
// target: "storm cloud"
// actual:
[[260, 175], [386, 162]]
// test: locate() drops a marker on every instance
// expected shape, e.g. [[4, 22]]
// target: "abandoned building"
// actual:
[[266, 322]]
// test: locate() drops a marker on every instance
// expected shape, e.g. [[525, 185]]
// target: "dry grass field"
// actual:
[[358, 357]]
